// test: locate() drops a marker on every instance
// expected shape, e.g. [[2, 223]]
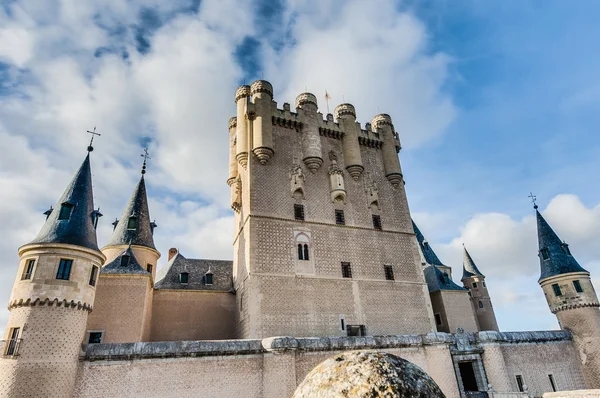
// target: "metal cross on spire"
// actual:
[[90, 148], [533, 199], [146, 156]]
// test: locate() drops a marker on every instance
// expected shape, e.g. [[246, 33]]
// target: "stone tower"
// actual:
[[52, 295], [124, 295], [323, 232], [474, 280], [571, 297]]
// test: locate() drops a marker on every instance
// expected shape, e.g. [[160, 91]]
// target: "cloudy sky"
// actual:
[[492, 100]]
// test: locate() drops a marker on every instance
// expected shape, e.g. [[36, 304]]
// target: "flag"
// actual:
[[327, 96]]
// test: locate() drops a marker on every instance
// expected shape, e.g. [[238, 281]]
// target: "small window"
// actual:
[[305, 249], [95, 338], [65, 211], [438, 319], [93, 275], [300, 252], [346, 270], [557, 291], [480, 304], [552, 383], [208, 278], [484, 284], [342, 322], [520, 383], [475, 284], [389, 272], [565, 248], [149, 268], [356, 330], [377, 222], [578, 287], [13, 342], [299, 212], [545, 254], [64, 269], [184, 277], [125, 260], [339, 217], [132, 223], [28, 271]]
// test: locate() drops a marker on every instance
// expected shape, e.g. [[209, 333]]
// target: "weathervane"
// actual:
[[90, 148], [146, 156], [533, 199]]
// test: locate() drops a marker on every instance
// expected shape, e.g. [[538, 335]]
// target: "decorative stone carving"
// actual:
[[236, 193], [372, 193], [336, 179], [296, 176]]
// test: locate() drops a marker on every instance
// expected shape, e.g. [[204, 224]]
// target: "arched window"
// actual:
[[305, 251], [480, 304]]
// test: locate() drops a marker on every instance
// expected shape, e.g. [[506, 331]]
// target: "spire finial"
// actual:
[[90, 148], [533, 199], [146, 156]]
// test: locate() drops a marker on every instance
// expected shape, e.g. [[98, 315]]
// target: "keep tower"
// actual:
[[571, 297], [323, 233], [52, 295], [474, 281]]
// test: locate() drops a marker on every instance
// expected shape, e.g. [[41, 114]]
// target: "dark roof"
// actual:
[[168, 276], [138, 207], [78, 229], [132, 267], [559, 260], [438, 280], [469, 267], [428, 253]]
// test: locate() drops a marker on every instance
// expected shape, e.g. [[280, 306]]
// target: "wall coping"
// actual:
[[281, 344]]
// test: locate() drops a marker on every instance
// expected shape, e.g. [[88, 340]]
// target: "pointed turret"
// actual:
[[73, 220], [134, 227], [469, 267], [428, 253], [555, 256]]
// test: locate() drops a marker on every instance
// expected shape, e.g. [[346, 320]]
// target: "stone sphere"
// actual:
[[367, 374]]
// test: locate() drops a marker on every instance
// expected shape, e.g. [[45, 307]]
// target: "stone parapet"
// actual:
[[523, 337]]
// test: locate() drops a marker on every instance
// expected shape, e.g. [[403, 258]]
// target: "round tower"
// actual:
[[52, 295], [391, 163], [306, 106], [571, 297], [474, 281], [262, 125], [242, 95], [345, 115]]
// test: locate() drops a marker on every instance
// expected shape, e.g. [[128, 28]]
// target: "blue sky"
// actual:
[[492, 100]]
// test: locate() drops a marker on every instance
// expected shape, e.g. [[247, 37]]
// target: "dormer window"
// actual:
[[95, 217], [184, 277], [132, 222], [124, 260], [208, 278], [65, 211], [545, 254]]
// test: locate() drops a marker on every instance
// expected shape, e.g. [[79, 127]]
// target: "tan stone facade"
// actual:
[[454, 310]]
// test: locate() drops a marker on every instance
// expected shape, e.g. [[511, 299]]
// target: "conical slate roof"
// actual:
[[141, 234], [438, 280], [428, 253], [118, 266], [559, 260], [469, 267], [78, 227]]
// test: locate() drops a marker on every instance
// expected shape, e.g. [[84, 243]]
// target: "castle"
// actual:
[[325, 254]]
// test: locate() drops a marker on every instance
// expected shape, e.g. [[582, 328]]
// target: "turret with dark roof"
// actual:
[[134, 227], [428, 253], [555, 256], [124, 263], [469, 267], [73, 220]]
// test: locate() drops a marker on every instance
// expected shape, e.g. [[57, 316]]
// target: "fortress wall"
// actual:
[[192, 315], [458, 311]]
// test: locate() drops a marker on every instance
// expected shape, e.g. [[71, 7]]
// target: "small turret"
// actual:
[[390, 149], [242, 101], [306, 106], [233, 170], [474, 280], [262, 125], [345, 115]]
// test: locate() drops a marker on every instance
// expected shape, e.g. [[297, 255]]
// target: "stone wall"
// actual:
[[454, 307]]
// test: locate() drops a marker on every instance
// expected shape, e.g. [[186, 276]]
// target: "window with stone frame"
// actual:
[[299, 212], [184, 278], [389, 272], [346, 270], [577, 286], [376, 221], [28, 270], [64, 269], [93, 275], [557, 290], [339, 217]]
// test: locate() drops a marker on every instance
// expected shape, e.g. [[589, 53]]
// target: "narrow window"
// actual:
[[346, 270], [557, 291], [93, 275], [552, 383], [389, 272], [208, 278], [520, 382], [124, 260], [132, 223], [474, 284], [480, 304], [377, 222], [339, 217], [438, 319], [578, 287], [470, 294], [28, 271], [300, 252], [305, 251], [184, 277], [12, 347], [149, 268], [484, 284], [95, 338], [64, 269], [545, 254], [65, 211], [299, 212]]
